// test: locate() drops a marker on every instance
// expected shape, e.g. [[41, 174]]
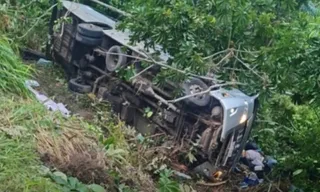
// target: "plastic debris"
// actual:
[[257, 163], [250, 180], [48, 103], [270, 162], [255, 157], [44, 62], [182, 175]]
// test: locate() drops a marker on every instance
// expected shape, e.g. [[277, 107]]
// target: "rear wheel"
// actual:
[[115, 58]]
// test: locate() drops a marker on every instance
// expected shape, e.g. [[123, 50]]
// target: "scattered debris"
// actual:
[[50, 104], [250, 180], [182, 175], [44, 62], [257, 165], [212, 184]]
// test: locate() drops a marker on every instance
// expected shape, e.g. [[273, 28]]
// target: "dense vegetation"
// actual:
[[277, 43], [279, 47]]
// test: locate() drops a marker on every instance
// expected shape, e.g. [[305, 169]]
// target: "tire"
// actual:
[[78, 87], [90, 30], [194, 83], [114, 62], [88, 40]]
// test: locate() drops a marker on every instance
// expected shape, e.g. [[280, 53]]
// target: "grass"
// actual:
[[19, 167], [31, 136], [19, 161], [29, 133], [13, 72]]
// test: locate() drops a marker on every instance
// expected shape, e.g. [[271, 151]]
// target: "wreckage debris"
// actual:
[[258, 165], [48, 103]]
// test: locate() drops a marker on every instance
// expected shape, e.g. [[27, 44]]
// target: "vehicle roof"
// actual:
[[87, 14]]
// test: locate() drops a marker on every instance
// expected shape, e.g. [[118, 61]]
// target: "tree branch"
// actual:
[[215, 54], [144, 70], [205, 91], [159, 63], [248, 67], [37, 21], [230, 54]]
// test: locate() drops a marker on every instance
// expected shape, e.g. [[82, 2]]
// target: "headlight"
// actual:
[[243, 118]]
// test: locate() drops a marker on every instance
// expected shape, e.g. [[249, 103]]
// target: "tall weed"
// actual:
[[13, 72]]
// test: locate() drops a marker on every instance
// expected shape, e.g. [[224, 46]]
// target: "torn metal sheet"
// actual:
[[48, 103]]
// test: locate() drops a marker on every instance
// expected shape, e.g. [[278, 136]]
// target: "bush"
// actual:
[[294, 138]]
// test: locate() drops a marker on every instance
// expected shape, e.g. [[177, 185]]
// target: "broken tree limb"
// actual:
[[227, 56], [144, 70], [158, 63], [211, 184], [37, 21], [205, 91], [248, 67], [215, 54]]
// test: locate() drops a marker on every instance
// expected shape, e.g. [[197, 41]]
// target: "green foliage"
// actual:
[[25, 21], [73, 184], [166, 184], [20, 164], [295, 139], [280, 45], [13, 72], [190, 31], [19, 167], [148, 112]]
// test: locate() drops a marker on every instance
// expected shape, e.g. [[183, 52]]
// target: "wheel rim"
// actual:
[[111, 62], [194, 89]]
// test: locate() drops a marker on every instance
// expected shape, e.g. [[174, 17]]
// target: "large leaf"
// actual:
[[297, 172], [96, 188]]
